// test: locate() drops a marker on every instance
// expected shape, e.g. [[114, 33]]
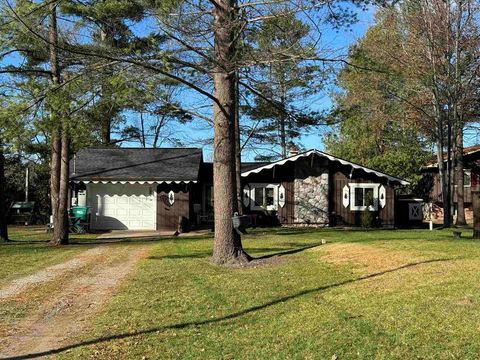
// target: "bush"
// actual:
[[367, 218]]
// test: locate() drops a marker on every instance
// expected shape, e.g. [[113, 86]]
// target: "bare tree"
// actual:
[[3, 205], [438, 59]]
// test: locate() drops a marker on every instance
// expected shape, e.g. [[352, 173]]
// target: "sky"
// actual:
[[337, 42], [341, 40]]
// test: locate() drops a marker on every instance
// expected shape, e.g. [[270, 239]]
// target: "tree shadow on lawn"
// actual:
[[77, 241], [24, 242], [226, 317], [278, 252], [286, 252]]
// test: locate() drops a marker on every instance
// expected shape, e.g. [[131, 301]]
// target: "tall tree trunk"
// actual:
[[3, 205], [282, 118], [106, 122], [458, 123], [60, 146], [56, 141], [106, 131], [238, 147], [60, 230], [442, 173], [56, 149], [227, 244], [460, 178], [283, 140], [142, 131], [449, 182]]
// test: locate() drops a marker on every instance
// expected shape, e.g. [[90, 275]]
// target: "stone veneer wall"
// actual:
[[311, 199]]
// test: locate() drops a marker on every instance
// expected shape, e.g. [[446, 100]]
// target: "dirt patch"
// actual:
[[61, 319], [50, 273], [366, 258]]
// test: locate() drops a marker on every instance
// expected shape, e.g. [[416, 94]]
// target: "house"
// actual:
[[153, 188], [431, 188]]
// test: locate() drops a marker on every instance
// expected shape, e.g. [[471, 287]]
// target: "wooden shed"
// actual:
[[315, 188]]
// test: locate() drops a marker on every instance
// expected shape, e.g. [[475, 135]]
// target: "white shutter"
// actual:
[[382, 196], [281, 196], [246, 195], [346, 196]]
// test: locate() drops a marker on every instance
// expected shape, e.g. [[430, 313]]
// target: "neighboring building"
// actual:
[[154, 188], [431, 189]]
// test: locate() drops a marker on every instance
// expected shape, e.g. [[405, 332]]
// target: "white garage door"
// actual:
[[122, 206]]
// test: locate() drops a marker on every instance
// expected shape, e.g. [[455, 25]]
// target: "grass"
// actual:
[[29, 251], [382, 294]]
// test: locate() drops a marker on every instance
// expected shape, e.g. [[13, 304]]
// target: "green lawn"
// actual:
[[364, 295], [29, 251]]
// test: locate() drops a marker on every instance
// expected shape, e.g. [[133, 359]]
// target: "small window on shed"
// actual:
[[269, 197], [359, 196], [364, 196], [264, 196], [259, 200], [467, 178]]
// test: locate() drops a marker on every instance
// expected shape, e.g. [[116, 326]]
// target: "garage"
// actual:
[[122, 206], [124, 186]]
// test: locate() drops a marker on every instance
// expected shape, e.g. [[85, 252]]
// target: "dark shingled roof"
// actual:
[[247, 166], [136, 164]]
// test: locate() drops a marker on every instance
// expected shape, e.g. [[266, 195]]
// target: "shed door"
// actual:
[[122, 206]]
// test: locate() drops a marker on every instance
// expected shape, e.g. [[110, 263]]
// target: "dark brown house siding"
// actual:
[[168, 215], [433, 191], [340, 215], [291, 173], [283, 175], [285, 214]]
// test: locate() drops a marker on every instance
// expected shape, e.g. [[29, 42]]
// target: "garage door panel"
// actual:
[[135, 212], [118, 207], [122, 212], [123, 200], [108, 213]]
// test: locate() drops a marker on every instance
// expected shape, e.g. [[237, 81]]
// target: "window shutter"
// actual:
[[171, 197], [346, 196], [281, 196], [382, 196], [246, 195]]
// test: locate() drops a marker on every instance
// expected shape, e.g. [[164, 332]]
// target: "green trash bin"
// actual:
[[81, 212]]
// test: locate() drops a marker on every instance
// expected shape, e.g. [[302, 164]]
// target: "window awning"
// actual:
[[141, 182]]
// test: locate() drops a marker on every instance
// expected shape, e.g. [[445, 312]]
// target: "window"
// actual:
[[264, 196], [259, 196], [467, 178], [364, 196]]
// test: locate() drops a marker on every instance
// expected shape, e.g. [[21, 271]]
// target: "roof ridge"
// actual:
[[138, 148], [322, 153]]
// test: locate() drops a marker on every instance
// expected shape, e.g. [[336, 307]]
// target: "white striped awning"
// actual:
[[329, 157], [141, 182]]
